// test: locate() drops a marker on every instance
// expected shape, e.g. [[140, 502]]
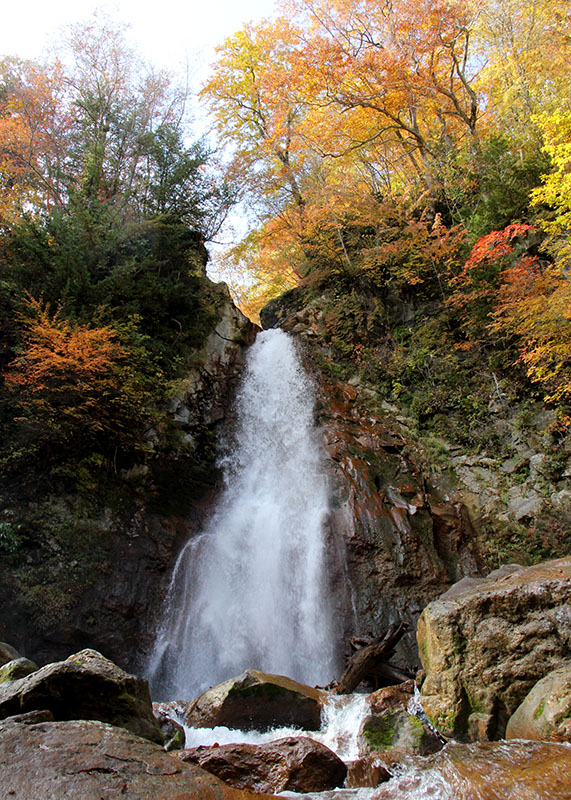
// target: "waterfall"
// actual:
[[251, 590]]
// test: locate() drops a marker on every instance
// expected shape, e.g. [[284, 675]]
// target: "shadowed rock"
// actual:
[[257, 701], [84, 686]]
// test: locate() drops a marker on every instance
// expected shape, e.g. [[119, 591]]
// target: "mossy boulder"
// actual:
[[396, 729], [257, 701], [84, 686], [546, 711], [18, 668], [487, 641]]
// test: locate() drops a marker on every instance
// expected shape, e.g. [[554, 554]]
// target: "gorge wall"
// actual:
[[92, 567], [414, 517]]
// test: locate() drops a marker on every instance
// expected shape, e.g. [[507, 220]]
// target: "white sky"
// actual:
[[168, 33]]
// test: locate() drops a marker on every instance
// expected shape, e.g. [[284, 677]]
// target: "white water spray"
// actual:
[[251, 590]]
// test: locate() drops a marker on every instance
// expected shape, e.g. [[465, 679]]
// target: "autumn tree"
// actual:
[[407, 88], [76, 384]]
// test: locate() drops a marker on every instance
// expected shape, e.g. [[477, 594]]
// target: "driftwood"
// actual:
[[370, 660]]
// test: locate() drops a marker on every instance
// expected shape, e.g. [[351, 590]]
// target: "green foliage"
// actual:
[[493, 188]]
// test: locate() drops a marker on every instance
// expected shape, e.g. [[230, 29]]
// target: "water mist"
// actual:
[[251, 591]]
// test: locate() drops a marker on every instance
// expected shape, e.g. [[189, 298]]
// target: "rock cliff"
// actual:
[[92, 568]]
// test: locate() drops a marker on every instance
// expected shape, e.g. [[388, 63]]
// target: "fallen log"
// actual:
[[371, 660]]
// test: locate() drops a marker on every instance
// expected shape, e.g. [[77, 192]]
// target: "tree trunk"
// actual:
[[371, 660]]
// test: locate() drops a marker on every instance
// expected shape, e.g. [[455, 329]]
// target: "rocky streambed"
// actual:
[[496, 655]]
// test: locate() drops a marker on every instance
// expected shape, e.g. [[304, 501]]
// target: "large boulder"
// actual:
[[295, 764], [257, 701], [89, 760], [84, 686], [486, 642], [546, 711]]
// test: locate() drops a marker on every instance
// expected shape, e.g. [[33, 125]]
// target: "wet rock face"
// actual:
[[257, 701], [84, 686], [490, 770], [163, 501], [545, 713], [391, 728], [486, 643], [291, 764], [87, 760], [403, 543]]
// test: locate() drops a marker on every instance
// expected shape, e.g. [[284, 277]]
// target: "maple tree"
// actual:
[[534, 304], [79, 383]]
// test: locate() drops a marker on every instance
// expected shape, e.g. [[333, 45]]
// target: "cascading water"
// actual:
[[250, 592]]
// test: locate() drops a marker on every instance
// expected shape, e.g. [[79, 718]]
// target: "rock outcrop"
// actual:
[[396, 541], [545, 713], [85, 686], [291, 764], [88, 760], [94, 577], [485, 643], [257, 701]]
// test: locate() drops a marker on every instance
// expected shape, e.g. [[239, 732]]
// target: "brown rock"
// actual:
[[291, 764], [8, 653], [84, 686], [486, 642], [257, 701], [88, 760], [396, 696], [487, 771], [546, 711], [367, 771]]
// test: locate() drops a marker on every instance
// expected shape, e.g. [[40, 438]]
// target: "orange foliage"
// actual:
[[535, 305], [65, 375]]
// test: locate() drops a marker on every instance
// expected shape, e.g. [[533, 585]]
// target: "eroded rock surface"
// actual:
[[291, 764], [545, 713], [89, 760], [257, 701], [486, 643], [85, 686], [402, 542]]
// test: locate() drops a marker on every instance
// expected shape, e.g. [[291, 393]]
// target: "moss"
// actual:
[[379, 732], [539, 710], [266, 690]]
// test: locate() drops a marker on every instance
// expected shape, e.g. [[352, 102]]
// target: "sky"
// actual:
[[169, 33]]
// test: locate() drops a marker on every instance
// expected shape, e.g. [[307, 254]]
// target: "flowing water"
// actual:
[[513, 770], [251, 591]]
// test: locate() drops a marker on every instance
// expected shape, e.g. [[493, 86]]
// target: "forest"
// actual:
[[412, 155]]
